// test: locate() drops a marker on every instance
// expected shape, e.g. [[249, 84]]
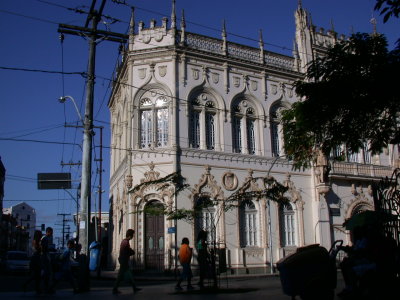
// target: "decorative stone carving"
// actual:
[[295, 195], [254, 85], [236, 81], [274, 89], [162, 70], [215, 77], [196, 74], [142, 73], [150, 175], [322, 168], [207, 184], [229, 181], [128, 181]]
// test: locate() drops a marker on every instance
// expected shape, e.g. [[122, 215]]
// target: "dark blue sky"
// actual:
[[30, 112]]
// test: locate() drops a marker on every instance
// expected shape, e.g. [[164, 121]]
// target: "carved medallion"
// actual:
[[253, 85], [274, 89], [215, 77], [196, 74], [162, 70], [236, 81], [229, 181], [142, 73]]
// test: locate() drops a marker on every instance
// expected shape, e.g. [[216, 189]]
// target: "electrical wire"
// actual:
[[83, 74]]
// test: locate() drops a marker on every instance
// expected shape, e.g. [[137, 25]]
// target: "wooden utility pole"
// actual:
[[92, 34], [63, 227], [100, 190]]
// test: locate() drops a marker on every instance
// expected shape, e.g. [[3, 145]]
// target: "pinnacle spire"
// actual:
[[223, 28], [261, 40], [132, 22], [183, 22], [373, 22], [173, 15]]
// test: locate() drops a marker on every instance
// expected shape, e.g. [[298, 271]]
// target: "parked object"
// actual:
[[94, 258], [310, 272], [16, 261]]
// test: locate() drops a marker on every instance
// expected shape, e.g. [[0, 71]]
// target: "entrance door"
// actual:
[[154, 238]]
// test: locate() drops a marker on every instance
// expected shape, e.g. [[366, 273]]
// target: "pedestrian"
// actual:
[[65, 271], [185, 257], [34, 264], [125, 252], [83, 274], [46, 245], [202, 256]]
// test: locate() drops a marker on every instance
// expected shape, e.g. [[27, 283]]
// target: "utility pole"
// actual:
[[100, 171], [63, 227], [92, 34]]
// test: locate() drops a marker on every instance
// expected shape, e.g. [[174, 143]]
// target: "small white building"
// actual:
[[25, 216], [210, 110]]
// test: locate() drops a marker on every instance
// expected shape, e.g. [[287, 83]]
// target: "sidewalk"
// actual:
[[148, 276]]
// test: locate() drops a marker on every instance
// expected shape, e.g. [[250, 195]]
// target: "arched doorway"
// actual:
[[154, 236]]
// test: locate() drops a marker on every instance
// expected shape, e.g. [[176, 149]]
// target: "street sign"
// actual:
[[51, 181], [171, 229]]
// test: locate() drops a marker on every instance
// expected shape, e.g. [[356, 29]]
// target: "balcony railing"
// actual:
[[363, 170]]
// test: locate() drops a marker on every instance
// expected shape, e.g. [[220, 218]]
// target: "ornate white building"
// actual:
[[209, 109]]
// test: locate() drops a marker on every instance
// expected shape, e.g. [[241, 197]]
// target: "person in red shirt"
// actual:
[[125, 252], [185, 257]]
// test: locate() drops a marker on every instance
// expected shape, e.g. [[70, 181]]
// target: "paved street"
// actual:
[[265, 287]]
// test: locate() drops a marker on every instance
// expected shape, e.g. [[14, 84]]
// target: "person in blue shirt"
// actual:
[[65, 262]]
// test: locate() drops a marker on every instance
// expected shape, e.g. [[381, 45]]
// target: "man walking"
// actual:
[[125, 252], [47, 246]]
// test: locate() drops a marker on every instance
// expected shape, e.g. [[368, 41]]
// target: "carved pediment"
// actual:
[[208, 185]]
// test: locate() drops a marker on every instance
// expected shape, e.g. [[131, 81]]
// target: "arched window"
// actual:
[[205, 219], [287, 225], [203, 122], [154, 119], [276, 138], [243, 128], [248, 224]]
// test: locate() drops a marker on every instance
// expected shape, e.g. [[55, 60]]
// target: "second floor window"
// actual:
[[244, 128], [154, 120], [203, 123], [275, 127]]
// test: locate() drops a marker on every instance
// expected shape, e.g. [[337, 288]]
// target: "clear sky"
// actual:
[[33, 138]]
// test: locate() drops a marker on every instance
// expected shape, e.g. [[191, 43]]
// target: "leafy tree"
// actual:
[[349, 97], [388, 8]]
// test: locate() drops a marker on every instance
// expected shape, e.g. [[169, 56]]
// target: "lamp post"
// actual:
[[87, 124], [62, 99]]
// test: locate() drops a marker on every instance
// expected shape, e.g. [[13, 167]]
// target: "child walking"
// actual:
[[185, 257]]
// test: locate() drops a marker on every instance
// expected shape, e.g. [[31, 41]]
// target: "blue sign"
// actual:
[[171, 229]]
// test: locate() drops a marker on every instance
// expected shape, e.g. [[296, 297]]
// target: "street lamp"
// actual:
[[87, 124], [62, 99]]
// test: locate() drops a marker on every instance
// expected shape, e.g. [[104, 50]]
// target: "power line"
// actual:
[[28, 17], [37, 200], [38, 141], [83, 74]]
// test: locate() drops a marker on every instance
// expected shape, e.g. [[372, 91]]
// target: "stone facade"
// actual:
[[209, 109]]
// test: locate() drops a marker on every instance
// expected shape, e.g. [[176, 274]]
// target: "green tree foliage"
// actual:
[[349, 97], [388, 8]]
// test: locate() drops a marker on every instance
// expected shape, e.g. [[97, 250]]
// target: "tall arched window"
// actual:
[[243, 128], [154, 119], [287, 225], [248, 224], [276, 138], [203, 122]]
